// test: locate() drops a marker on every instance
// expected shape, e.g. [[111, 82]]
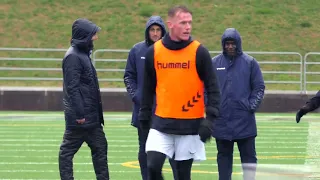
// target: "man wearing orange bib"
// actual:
[[177, 70]]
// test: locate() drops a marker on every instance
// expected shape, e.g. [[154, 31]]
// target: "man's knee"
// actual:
[[97, 141], [249, 159], [142, 135], [224, 156], [184, 169], [174, 167], [142, 146], [155, 160], [224, 147], [142, 155], [247, 150], [66, 152]]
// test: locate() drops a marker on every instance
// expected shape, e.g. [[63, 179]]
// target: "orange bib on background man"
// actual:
[[179, 91]]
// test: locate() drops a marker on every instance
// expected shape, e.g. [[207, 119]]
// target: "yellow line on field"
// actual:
[[135, 165]]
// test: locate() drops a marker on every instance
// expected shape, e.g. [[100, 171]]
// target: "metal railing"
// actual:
[[95, 59], [307, 72], [30, 59], [97, 56]]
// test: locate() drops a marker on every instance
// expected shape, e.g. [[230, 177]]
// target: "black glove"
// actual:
[[205, 130], [144, 118], [303, 111]]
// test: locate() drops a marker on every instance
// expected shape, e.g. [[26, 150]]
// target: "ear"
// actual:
[[169, 24]]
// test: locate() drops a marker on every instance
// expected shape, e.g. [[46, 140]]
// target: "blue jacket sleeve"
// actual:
[[130, 75], [205, 97], [148, 87], [72, 69], [257, 86]]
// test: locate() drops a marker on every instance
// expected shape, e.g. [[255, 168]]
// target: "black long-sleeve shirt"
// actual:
[[206, 74]]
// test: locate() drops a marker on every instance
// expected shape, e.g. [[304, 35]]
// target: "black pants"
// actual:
[[247, 155], [155, 164], [72, 141], [142, 156]]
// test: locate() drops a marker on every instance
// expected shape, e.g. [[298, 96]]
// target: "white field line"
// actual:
[[55, 171], [209, 151], [28, 126], [264, 166], [133, 130], [126, 117], [270, 168], [136, 145], [50, 163], [51, 119], [313, 146], [48, 114], [298, 154], [134, 135], [55, 115], [39, 156], [135, 138], [274, 141], [283, 171]]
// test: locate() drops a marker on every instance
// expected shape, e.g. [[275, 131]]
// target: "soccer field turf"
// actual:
[[30, 144]]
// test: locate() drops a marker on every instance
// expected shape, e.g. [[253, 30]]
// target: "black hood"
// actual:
[[82, 32], [154, 20]]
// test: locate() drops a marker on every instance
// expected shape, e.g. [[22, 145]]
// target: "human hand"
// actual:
[[205, 130], [303, 111], [81, 121]]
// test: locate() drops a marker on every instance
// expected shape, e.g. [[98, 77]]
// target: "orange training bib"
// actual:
[[179, 91]]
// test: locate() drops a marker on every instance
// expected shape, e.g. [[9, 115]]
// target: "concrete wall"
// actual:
[[51, 100]]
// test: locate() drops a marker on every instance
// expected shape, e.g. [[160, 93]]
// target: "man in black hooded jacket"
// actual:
[[82, 103]]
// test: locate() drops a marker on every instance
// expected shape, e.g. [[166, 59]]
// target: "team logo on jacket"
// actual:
[[173, 65], [222, 68]]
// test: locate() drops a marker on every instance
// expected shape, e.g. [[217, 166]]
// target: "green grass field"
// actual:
[[30, 145], [265, 25]]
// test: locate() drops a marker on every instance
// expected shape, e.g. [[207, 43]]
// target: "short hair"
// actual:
[[180, 8]]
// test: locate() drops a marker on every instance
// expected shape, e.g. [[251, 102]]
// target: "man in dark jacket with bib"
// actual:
[[177, 70], [82, 103], [133, 80], [242, 90]]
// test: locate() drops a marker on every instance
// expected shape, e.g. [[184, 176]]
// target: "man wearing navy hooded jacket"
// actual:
[[133, 80], [242, 89]]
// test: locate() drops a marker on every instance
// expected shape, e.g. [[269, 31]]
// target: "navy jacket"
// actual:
[[81, 94], [242, 89], [133, 76]]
